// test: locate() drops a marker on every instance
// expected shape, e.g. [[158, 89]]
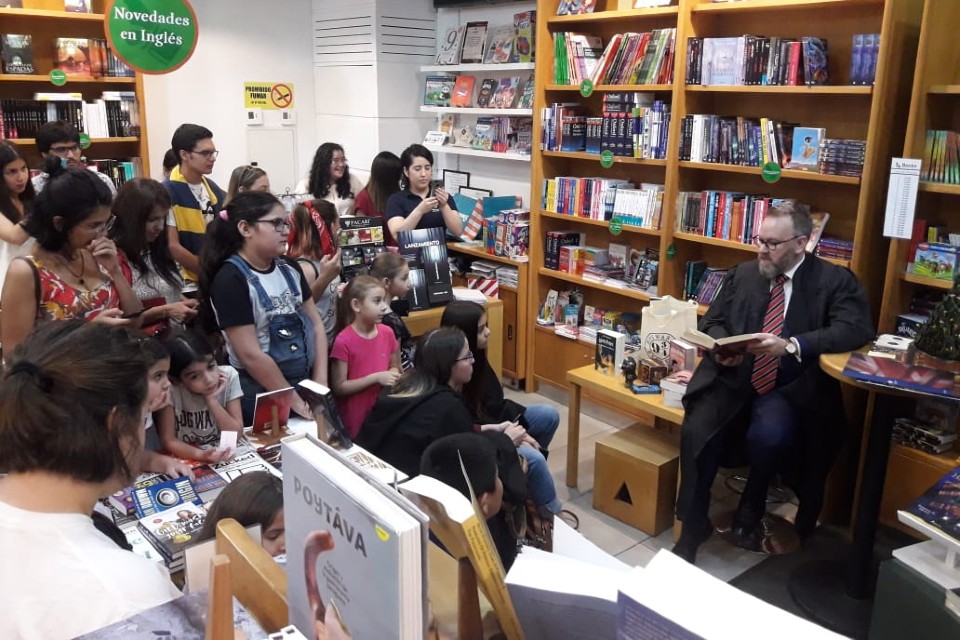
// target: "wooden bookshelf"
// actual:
[[933, 105], [45, 21], [877, 114]]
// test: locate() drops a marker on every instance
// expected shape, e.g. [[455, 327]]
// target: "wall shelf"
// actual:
[[476, 111], [466, 68], [479, 153]]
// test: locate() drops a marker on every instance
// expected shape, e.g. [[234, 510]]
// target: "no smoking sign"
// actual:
[[277, 96]]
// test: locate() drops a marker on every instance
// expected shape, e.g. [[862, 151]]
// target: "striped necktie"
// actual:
[[764, 377]]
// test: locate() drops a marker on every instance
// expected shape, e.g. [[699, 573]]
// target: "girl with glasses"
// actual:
[[260, 300], [73, 271]]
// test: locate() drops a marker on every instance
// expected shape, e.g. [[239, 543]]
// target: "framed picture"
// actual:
[[453, 181], [476, 194]]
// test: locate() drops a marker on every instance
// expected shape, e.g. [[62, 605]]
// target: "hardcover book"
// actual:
[[806, 148], [487, 89], [891, 373], [506, 93], [474, 39], [815, 61], [322, 403], [609, 352], [172, 530], [355, 555], [16, 51], [73, 56], [501, 45], [940, 505], [268, 403], [463, 91], [730, 345], [122, 500], [438, 90], [450, 45], [426, 252], [148, 500]]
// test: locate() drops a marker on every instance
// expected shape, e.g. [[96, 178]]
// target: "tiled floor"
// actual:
[[630, 545]]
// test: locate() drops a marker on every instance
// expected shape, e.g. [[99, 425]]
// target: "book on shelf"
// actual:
[[356, 555], [459, 525], [172, 530], [921, 436], [865, 49], [77, 6], [16, 52], [474, 39], [500, 49], [575, 7], [608, 354], [941, 159], [438, 90], [11, 4], [488, 87], [450, 45], [73, 57], [463, 91], [815, 71], [724, 215], [737, 140], [525, 36], [939, 506], [505, 94], [728, 345], [820, 220], [891, 373]]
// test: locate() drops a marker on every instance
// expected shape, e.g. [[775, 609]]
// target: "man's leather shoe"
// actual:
[[691, 537], [747, 531]]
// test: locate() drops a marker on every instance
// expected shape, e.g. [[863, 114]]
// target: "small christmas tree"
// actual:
[[940, 337]]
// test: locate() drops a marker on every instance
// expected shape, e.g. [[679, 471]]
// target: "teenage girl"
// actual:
[[246, 177], [16, 200], [393, 271], [204, 401], [385, 175], [261, 301], [313, 241], [365, 356]]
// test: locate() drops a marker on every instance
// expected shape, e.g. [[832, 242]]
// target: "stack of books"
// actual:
[[842, 157], [836, 248]]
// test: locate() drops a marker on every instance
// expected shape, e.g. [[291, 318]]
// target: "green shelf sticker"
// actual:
[[671, 251], [84, 141], [58, 78], [616, 226], [606, 159], [770, 172], [586, 88]]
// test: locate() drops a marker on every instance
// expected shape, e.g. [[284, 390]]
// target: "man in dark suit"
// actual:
[[772, 402]]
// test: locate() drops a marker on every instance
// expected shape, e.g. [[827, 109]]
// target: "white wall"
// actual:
[[249, 41]]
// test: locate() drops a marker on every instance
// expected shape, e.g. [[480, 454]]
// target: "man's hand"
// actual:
[[769, 345], [728, 361]]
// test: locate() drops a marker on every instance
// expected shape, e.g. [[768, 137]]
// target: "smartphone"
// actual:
[[434, 185], [133, 314]]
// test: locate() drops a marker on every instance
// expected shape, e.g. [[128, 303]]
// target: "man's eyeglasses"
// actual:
[[104, 226], [279, 224], [771, 245], [469, 357], [65, 149], [208, 154]]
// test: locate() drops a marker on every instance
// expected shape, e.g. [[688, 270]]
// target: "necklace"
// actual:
[[66, 263]]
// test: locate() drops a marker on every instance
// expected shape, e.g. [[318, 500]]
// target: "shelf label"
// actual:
[[616, 226], [58, 78], [84, 141], [152, 37], [586, 88], [671, 251], [606, 159], [901, 198], [770, 172]]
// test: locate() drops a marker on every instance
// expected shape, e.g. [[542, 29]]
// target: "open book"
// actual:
[[731, 345]]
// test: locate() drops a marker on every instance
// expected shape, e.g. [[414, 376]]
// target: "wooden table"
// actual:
[[419, 322], [611, 391]]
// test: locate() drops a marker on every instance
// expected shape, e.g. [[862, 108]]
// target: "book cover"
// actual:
[[815, 61], [77, 6], [820, 220], [609, 352], [322, 404], [806, 148], [462, 91], [525, 29], [500, 49], [526, 97], [245, 460], [16, 51], [730, 345], [427, 250], [450, 45], [438, 91], [506, 93], [940, 504], [354, 556], [122, 500], [207, 483], [269, 403], [12, 4], [891, 373], [487, 88], [172, 530], [73, 56], [150, 499], [474, 39], [683, 355]]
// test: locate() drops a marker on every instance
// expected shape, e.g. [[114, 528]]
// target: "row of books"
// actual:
[[115, 114], [836, 248], [628, 58], [941, 162], [119, 171], [77, 57], [625, 129], [757, 60], [603, 198], [450, 91], [702, 282], [726, 215], [498, 134], [469, 43]]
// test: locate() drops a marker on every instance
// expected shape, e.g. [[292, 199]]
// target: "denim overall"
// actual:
[[291, 337]]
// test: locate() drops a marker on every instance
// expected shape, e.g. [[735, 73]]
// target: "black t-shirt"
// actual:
[[402, 203]]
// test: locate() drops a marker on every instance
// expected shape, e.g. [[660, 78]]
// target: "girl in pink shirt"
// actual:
[[366, 356]]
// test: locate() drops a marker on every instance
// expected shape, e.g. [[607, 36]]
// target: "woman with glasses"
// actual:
[[261, 301], [424, 405], [330, 179], [73, 271], [246, 177]]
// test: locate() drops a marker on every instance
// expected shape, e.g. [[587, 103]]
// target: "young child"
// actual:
[[365, 355], [253, 498], [204, 400], [313, 241], [393, 270], [158, 397]]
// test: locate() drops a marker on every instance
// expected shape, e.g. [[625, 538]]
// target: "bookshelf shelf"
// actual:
[[580, 155], [467, 68], [46, 14], [627, 228], [940, 187], [31, 141], [837, 261], [785, 173], [716, 242], [575, 279], [747, 6], [612, 16], [944, 89], [479, 153], [475, 250], [612, 87], [833, 90], [9, 77], [934, 283], [476, 111]]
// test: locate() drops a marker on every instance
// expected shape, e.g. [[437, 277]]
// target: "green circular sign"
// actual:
[[586, 88], [58, 77], [155, 37], [84, 141], [616, 226], [606, 159], [770, 172], [671, 251]]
